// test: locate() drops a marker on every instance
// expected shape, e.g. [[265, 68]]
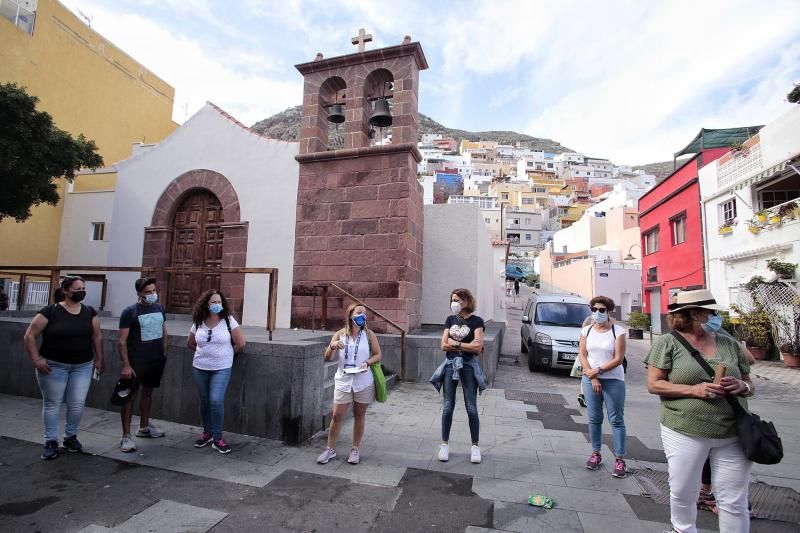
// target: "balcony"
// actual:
[[776, 217], [736, 165]]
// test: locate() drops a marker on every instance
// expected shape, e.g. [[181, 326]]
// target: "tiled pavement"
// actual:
[[399, 485]]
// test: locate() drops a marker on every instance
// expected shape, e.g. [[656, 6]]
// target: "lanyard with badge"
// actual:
[[355, 355]]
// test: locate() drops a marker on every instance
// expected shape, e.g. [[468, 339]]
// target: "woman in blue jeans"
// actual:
[[71, 349], [215, 337], [601, 351], [462, 342]]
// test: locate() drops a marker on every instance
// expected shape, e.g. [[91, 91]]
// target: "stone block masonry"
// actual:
[[359, 209]]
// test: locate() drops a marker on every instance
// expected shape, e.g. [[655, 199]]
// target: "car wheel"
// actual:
[[533, 366], [523, 347]]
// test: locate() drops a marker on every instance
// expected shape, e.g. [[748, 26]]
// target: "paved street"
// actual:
[[530, 442]]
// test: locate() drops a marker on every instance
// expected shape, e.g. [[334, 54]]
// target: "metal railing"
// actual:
[[324, 317], [23, 271]]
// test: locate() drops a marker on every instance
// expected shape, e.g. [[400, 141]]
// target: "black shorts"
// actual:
[[149, 372]]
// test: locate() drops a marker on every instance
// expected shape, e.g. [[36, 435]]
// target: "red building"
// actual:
[[671, 225]]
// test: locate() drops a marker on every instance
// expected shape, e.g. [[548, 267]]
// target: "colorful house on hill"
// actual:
[[671, 224]]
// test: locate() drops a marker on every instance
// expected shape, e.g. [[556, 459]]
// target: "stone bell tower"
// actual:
[[359, 204]]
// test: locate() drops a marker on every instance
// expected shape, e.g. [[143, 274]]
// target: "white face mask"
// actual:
[[455, 307], [600, 317]]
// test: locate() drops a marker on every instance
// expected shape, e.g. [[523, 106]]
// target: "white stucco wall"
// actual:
[[81, 209], [263, 173], [458, 253]]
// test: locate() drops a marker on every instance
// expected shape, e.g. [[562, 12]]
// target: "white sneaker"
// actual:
[[150, 432], [126, 444], [444, 452], [475, 454]]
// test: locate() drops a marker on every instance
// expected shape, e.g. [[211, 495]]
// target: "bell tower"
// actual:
[[359, 204]]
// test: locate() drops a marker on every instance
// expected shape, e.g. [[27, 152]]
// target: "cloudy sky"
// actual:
[[629, 80]]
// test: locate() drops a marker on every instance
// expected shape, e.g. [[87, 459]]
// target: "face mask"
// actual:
[[150, 299], [77, 296], [713, 324], [360, 320], [600, 317], [215, 308], [455, 307]]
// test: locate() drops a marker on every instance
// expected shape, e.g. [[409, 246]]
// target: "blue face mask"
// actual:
[[713, 325], [360, 320], [600, 318], [150, 299], [215, 308]]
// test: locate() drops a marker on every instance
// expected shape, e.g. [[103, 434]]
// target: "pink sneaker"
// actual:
[[594, 461], [326, 455], [355, 456], [620, 470]]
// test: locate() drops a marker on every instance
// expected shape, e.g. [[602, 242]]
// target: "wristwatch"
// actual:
[[600, 370], [747, 386], [458, 345]]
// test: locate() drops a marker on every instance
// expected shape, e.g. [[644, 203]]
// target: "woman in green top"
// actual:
[[697, 421]]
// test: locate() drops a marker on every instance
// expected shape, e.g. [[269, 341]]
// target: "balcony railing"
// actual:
[[736, 165]]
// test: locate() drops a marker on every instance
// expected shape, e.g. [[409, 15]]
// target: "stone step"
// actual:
[[166, 515]]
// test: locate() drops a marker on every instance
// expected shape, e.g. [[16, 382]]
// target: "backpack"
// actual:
[[613, 332]]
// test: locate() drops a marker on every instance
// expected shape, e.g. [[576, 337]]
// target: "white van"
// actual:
[[551, 330]]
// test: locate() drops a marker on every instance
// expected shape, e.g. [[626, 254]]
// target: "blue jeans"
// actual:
[[64, 384], [469, 386], [614, 398], [211, 387]]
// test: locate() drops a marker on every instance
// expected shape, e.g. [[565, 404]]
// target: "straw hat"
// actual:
[[701, 298]]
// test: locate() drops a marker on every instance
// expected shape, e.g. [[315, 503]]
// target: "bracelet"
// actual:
[[747, 386]]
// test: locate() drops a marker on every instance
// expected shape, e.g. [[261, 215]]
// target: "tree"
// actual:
[[34, 153], [794, 94]]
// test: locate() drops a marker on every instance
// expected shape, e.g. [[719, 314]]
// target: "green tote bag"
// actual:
[[380, 382]]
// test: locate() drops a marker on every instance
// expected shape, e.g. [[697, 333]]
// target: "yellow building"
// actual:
[[467, 145], [89, 86]]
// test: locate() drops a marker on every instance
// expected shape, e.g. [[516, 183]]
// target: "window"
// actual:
[[727, 210], [652, 274], [679, 230], [98, 231], [487, 220], [773, 198], [504, 196], [527, 236], [527, 221], [651, 242], [18, 15], [527, 201], [515, 221]]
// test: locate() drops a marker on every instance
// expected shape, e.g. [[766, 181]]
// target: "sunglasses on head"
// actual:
[[599, 309], [209, 336]]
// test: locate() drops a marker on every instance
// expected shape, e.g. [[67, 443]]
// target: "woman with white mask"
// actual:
[[601, 351]]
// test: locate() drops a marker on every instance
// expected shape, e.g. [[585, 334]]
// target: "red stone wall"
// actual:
[[359, 209]]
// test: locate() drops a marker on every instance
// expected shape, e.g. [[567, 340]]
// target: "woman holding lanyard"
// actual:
[[601, 351], [358, 348]]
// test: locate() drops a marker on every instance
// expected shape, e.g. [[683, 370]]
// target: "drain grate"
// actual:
[[535, 397], [768, 501]]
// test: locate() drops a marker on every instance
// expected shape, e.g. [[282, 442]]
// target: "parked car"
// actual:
[[551, 330], [517, 272]]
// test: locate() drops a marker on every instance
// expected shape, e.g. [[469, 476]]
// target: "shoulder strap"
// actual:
[[614, 331], [694, 353], [230, 332], [589, 330]]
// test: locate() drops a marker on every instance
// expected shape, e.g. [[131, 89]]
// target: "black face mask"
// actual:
[[77, 296]]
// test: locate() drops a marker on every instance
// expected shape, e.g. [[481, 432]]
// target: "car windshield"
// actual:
[[561, 314]]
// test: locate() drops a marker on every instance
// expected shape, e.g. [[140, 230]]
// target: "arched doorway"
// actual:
[[197, 235]]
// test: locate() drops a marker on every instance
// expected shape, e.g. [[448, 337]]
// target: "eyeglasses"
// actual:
[[599, 309], [209, 336]]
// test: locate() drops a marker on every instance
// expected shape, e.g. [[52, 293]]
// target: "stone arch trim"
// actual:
[[157, 247], [192, 180]]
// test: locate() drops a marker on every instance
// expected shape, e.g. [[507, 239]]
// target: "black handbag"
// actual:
[[758, 438]]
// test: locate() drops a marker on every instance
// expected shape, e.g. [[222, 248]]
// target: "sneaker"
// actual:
[[355, 456], [149, 432], [475, 454], [72, 444], [126, 444], [620, 469], [594, 461], [204, 439], [221, 446], [581, 400], [705, 499], [326, 455], [444, 452], [50, 450]]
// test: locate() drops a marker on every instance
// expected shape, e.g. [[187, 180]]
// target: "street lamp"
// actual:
[[630, 257]]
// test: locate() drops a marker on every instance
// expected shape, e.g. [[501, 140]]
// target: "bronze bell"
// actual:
[[381, 117], [336, 114]]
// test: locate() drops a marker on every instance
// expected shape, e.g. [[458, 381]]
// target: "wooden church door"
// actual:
[[196, 242]]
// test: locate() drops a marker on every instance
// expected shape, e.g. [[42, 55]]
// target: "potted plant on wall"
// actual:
[[726, 227], [637, 323], [787, 211], [753, 226], [761, 216], [782, 269], [788, 330]]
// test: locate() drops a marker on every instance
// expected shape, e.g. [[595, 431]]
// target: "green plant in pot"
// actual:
[[782, 269], [754, 329], [787, 210], [637, 323], [788, 332]]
